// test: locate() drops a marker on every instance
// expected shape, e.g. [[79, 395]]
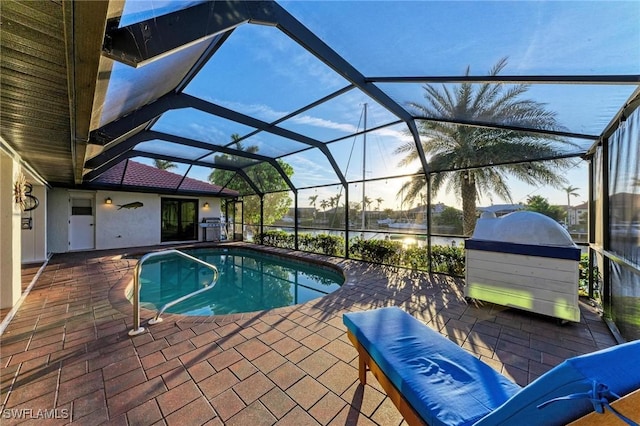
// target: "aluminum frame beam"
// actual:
[[143, 42], [119, 149], [498, 126], [278, 16], [133, 153], [612, 79], [109, 132]]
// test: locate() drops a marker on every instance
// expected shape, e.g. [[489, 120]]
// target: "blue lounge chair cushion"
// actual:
[[445, 384], [617, 368]]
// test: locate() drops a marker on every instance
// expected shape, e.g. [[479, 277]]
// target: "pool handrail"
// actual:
[[137, 328]]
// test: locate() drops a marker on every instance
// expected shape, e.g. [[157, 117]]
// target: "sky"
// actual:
[[261, 72]]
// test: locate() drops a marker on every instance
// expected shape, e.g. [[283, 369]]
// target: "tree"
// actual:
[[368, 201], [460, 148], [570, 190], [164, 164], [276, 199], [379, 200], [323, 205], [312, 201], [451, 218], [537, 203]]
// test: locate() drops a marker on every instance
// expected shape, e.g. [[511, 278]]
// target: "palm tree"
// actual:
[[312, 201], [379, 200], [460, 148], [164, 164], [368, 201], [323, 205], [570, 190]]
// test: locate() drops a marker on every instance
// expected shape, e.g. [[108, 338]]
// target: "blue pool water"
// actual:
[[249, 281]]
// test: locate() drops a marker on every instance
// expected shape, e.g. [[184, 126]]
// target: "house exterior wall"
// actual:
[[10, 244], [116, 226]]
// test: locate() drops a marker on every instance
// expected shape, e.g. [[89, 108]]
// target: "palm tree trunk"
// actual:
[[469, 195]]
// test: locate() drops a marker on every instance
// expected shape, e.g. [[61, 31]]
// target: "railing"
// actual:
[[137, 328]]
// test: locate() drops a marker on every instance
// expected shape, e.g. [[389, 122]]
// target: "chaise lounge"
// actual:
[[434, 381]]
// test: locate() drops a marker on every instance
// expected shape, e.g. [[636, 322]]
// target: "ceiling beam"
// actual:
[[84, 24]]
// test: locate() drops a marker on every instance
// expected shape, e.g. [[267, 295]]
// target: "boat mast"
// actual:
[[364, 159]]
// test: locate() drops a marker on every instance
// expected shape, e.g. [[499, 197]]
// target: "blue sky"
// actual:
[[260, 72]]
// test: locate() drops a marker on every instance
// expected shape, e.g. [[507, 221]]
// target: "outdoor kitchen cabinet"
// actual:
[[524, 260]]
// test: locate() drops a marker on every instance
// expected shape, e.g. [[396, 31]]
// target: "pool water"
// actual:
[[249, 281]]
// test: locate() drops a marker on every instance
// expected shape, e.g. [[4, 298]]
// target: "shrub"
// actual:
[[448, 260], [444, 259], [332, 245], [377, 251], [415, 258], [277, 239], [583, 277]]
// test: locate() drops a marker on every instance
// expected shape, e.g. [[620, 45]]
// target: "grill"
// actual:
[[211, 228]]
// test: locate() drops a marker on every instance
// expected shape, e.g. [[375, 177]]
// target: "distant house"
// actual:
[[578, 214], [130, 205], [624, 207], [303, 213]]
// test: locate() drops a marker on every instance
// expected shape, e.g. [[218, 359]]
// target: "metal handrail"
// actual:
[[137, 328]]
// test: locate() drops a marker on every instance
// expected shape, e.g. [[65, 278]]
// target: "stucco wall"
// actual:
[[118, 226]]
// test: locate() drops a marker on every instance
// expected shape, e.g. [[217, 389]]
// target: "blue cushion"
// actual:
[[617, 367], [445, 384]]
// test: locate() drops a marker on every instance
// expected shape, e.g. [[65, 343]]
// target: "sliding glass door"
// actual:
[[179, 219]]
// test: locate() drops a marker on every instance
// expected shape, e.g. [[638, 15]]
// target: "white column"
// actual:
[[10, 248]]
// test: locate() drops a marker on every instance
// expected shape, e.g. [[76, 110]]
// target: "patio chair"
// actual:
[[434, 381]]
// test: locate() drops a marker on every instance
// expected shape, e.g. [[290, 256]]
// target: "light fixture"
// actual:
[[205, 205], [108, 200]]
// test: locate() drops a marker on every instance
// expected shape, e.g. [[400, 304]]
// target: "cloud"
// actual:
[[326, 124]]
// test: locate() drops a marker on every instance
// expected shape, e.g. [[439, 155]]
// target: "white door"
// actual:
[[81, 232]]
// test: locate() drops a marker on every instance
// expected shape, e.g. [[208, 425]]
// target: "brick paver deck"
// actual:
[[67, 349]]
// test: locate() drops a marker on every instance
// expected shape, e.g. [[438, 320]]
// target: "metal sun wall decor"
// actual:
[[22, 194]]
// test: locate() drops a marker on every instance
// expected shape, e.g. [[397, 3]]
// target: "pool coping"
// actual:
[[118, 293]]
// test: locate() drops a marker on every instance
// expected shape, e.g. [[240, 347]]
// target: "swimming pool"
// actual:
[[249, 281]]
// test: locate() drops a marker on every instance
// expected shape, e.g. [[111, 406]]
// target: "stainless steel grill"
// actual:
[[211, 228]]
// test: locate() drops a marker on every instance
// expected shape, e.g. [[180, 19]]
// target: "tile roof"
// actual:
[[138, 175]]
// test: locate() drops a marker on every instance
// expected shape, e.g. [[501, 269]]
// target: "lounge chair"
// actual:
[[434, 381]]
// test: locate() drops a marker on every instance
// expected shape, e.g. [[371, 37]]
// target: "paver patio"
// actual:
[[67, 348]]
